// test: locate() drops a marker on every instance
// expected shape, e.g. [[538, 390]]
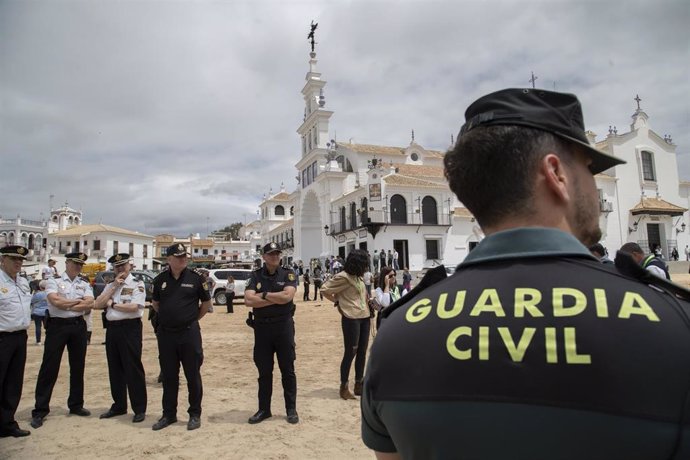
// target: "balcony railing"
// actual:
[[385, 218]]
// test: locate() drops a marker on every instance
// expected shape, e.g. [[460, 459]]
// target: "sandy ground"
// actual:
[[329, 426]]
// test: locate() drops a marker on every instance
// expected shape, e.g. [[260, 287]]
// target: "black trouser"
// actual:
[[125, 370], [317, 285], [306, 292], [279, 338], [355, 340], [70, 332], [12, 360], [230, 297], [175, 347]]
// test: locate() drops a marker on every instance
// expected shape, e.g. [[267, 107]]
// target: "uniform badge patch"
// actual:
[[4, 290], [141, 288], [291, 277], [126, 291], [163, 285], [258, 286], [204, 285]]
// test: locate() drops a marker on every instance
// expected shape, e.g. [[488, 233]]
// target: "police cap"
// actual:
[[14, 251], [78, 257], [557, 113], [119, 259], [177, 250], [271, 247]]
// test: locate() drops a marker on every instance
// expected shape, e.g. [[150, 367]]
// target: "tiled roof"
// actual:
[[386, 150], [282, 196], [657, 206], [374, 149], [398, 179], [93, 228], [462, 212], [420, 170]]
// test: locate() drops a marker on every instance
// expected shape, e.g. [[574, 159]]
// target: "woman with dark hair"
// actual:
[[387, 287], [348, 292]]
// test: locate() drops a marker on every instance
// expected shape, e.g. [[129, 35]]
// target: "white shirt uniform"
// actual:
[[15, 303], [70, 290], [131, 291]]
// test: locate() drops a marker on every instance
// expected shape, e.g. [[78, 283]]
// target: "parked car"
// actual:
[[220, 276], [103, 278]]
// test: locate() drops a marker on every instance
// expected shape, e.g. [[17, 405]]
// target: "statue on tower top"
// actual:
[[310, 37]]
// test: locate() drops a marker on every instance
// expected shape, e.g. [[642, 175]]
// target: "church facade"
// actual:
[[396, 199]]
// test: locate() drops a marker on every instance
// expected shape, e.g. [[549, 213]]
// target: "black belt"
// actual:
[[66, 321], [4, 333], [123, 322], [162, 328], [272, 319]]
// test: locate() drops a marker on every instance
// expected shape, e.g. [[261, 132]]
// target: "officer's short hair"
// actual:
[[631, 248], [491, 169]]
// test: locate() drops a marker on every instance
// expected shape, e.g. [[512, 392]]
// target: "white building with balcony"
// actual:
[[396, 198]]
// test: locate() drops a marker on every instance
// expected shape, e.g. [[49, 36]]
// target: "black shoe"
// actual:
[[292, 416], [81, 412], [36, 422], [193, 423], [15, 433], [112, 413], [259, 417], [163, 422], [138, 417]]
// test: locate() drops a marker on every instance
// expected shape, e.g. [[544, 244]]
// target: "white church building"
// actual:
[[396, 198]]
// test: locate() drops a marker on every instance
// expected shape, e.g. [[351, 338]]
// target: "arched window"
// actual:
[[280, 211], [398, 210], [76, 221], [353, 215], [55, 219], [70, 221], [292, 210], [429, 213], [648, 172], [365, 211], [342, 218]]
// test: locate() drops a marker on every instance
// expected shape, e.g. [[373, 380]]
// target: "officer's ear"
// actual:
[[554, 176]]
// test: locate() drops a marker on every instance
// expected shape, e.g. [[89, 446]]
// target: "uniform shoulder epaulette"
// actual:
[[196, 270], [627, 266]]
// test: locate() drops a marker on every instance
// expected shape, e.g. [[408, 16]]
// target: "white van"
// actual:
[[220, 276]]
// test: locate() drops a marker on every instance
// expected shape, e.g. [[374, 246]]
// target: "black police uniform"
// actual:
[[179, 336], [274, 332], [532, 350]]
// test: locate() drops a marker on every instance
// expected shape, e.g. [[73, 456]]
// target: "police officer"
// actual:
[[533, 349], [69, 298], [269, 293], [124, 300], [181, 299], [15, 313]]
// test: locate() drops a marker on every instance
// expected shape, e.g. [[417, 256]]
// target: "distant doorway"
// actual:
[[654, 237], [401, 248]]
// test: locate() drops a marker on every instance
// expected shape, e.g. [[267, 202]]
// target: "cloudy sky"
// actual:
[[175, 116]]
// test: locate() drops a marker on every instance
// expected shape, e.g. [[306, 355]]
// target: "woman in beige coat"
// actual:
[[348, 292]]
